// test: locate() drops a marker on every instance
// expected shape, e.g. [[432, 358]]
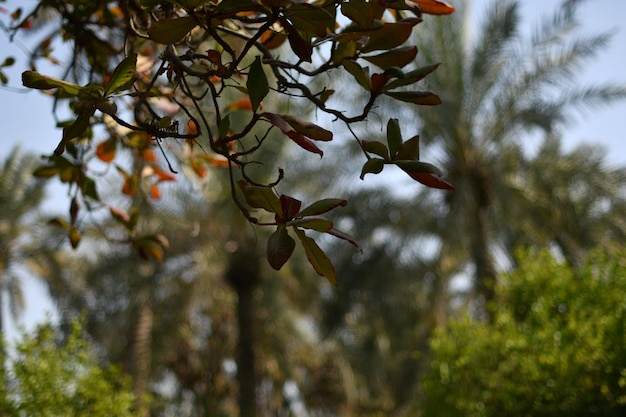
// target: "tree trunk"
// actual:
[[485, 274], [244, 276], [141, 357]]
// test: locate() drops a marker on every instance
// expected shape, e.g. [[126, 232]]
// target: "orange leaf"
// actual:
[[164, 175], [436, 7], [106, 150], [155, 192], [241, 104], [148, 155], [130, 186]]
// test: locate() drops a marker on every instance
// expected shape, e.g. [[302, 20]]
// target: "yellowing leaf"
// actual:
[[317, 258]]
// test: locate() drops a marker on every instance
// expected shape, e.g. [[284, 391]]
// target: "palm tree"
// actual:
[[497, 90], [20, 197]]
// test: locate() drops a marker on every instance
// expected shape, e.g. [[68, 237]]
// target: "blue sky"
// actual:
[[26, 119]]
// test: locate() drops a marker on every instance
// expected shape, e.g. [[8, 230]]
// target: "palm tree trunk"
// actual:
[[485, 273], [243, 275], [141, 358]]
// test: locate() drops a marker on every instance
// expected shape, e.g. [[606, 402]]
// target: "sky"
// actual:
[[26, 118]]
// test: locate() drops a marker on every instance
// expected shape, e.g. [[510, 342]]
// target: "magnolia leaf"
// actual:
[[360, 74], [387, 36], [257, 84], [376, 147], [323, 206], [421, 98], [308, 129], [372, 166], [319, 225], [171, 30], [289, 207], [260, 197], [310, 18], [341, 235], [302, 48], [122, 75], [317, 258], [435, 7], [46, 171], [286, 128], [74, 130], [418, 166], [394, 136], [430, 180], [399, 57], [229, 7], [33, 79], [411, 77], [410, 150], [280, 247], [359, 13], [88, 187]]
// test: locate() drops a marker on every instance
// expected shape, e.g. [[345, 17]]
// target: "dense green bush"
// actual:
[[556, 345], [51, 377]]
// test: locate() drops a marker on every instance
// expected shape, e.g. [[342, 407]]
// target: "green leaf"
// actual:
[[257, 83], [360, 74], [33, 79], [344, 50], [74, 130], [323, 206], [122, 75], [394, 136], [224, 127], [319, 225], [171, 30], [8, 61], [235, 6], [260, 197], [421, 98], [376, 147], [46, 171], [399, 57], [88, 187], [372, 166], [412, 77], [410, 150], [359, 12], [310, 18], [280, 247], [317, 258]]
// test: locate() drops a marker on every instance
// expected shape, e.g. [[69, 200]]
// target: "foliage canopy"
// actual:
[[555, 347]]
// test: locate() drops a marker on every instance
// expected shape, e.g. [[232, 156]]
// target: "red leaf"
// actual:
[[436, 7], [430, 180]]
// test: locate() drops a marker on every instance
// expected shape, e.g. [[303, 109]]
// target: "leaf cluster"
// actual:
[[201, 74]]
